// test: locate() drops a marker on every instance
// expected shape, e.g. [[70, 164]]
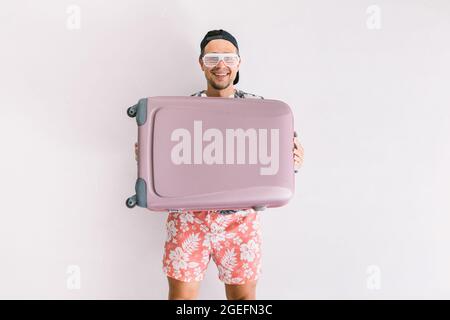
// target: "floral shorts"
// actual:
[[231, 240]]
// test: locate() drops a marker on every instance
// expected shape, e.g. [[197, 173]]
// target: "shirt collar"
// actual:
[[234, 95]]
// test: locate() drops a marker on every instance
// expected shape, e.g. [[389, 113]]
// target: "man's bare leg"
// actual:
[[179, 290], [245, 291]]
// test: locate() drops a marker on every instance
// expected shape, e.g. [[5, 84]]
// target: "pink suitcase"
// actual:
[[213, 153]]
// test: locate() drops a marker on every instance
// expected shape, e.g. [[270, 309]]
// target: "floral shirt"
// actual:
[[237, 94]]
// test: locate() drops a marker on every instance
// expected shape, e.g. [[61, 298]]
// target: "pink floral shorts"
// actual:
[[232, 240]]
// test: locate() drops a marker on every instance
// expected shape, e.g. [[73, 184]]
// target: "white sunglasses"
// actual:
[[210, 60]]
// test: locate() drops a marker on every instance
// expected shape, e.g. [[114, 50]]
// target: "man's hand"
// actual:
[[298, 153]]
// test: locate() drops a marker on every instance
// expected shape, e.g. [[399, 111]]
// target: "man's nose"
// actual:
[[221, 64]]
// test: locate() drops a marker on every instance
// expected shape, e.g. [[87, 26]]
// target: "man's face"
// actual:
[[221, 76]]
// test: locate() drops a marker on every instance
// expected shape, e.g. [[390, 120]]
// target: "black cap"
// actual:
[[220, 34]]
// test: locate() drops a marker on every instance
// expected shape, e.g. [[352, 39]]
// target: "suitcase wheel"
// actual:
[[131, 202], [132, 111], [259, 208]]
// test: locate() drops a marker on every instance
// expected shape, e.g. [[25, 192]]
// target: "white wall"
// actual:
[[371, 107]]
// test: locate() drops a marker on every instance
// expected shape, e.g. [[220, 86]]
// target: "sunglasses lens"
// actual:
[[210, 61], [231, 61]]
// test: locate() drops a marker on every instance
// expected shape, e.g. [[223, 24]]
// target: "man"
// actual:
[[232, 238]]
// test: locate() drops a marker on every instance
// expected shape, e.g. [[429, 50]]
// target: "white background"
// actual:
[[371, 107]]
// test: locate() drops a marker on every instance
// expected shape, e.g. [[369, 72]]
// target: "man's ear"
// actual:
[[200, 61]]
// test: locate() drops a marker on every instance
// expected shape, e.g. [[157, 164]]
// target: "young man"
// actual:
[[232, 238]]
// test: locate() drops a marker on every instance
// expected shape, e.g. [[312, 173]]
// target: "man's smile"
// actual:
[[221, 74]]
